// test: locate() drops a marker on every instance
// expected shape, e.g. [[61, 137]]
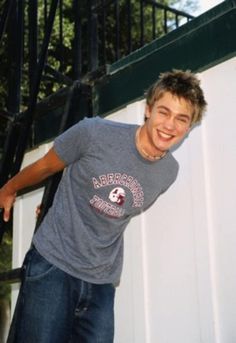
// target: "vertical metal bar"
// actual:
[[153, 21], [89, 38], [33, 41], [61, 34], [117, 21], [16, 56], [103, 34], [129, 22], [176, 20], [4, 17], [165, 21], [45, 12], [141, 23], [77, 46], [93, 36]]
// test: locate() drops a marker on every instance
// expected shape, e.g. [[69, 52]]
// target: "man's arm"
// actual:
[[29, 176]]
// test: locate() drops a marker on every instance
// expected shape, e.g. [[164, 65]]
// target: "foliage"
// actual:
[[5, 263], [60, 54]]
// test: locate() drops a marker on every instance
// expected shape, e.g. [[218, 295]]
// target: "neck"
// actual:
[[142, 150]]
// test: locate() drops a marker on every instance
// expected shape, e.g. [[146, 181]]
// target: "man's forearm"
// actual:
[[29, 176]]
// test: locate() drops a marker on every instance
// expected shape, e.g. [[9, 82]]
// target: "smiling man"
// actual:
[[168, 121], [174, 104], [112, 172]]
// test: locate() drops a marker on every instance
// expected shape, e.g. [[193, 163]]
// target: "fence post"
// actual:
[[93, 35]]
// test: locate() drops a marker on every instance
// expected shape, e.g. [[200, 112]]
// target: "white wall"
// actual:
[[165, 294], [178, 282], [220, 157]]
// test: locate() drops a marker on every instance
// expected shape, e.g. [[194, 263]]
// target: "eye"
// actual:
[[183, 120], [163, 113]]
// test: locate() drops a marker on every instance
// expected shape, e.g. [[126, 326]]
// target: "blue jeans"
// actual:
[[54, 307]]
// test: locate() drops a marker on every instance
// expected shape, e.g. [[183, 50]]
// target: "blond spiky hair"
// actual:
[[183, 84]]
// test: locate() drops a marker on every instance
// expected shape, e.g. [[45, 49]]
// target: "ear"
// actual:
[[147, 111], [188, 130]]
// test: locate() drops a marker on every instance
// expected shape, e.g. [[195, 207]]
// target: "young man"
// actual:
[[113, 171]]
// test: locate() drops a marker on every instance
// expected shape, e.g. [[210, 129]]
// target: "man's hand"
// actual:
[[6, 202], [38, 210]]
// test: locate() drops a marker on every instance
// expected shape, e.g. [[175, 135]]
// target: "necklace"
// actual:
[[143, 151]]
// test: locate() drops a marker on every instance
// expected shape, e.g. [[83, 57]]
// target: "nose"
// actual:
[[169, 123]]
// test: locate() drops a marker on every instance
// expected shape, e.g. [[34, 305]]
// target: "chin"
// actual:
[[163, 148]]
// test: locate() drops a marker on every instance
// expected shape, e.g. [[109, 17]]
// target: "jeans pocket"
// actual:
[[37, 266]]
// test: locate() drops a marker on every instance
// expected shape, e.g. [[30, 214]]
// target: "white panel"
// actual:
[[178, 254], [202, 236], [220, 155], [172, 284], [24, 224], [23, 228], [24, 212], [175, 288]]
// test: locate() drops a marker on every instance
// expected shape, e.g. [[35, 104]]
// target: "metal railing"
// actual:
[[136, 23], [86, 35]]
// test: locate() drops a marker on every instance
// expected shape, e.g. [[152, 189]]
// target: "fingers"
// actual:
[[38, 210], [6, 214], [7, 205]]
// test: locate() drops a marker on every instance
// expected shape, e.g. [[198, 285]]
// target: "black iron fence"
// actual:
[[85, 36], [131, 24]]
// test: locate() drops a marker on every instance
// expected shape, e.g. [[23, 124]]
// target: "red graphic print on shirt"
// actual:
[[117, 196]]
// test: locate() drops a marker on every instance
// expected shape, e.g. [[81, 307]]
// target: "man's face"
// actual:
[[168, 121]]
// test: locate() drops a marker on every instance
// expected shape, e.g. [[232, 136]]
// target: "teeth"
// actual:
[[165, 135]]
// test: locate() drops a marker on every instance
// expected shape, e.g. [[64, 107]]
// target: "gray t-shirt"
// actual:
[[106, 183]]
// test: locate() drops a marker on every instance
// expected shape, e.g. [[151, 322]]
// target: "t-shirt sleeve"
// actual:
[[74, 142]]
